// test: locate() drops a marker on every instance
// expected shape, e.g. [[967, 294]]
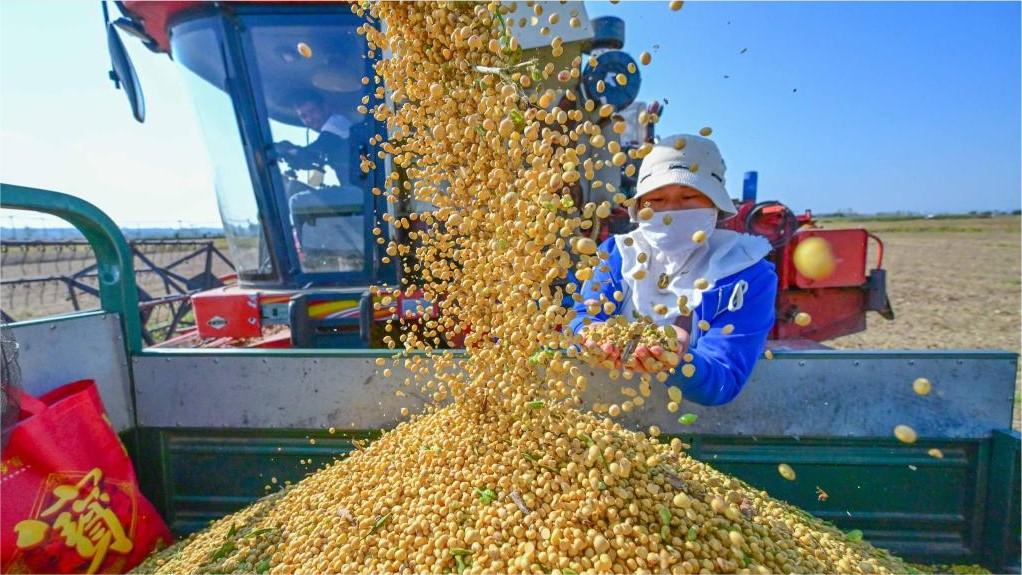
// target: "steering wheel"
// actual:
[[299, 158], [772, 220]]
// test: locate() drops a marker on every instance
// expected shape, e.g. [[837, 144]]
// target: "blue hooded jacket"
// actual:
[[723, 362]]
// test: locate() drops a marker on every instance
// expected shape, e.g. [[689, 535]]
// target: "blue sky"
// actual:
[[870, 106]]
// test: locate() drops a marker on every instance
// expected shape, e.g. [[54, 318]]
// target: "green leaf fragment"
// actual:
[[854, 535], [460, 564], [379, 523], [224, 550], [665, 515], [688, 419], [586, 439], [692, 534], [517, 118], [262, 566], [458, 551], [232, 531], [543, 354], [258, 532], [538, 404], [486, 495], [567, 571]]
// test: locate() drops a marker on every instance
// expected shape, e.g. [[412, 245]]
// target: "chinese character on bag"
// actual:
[[82, 518]]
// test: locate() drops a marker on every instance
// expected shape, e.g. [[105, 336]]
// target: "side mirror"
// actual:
[[123, 73]]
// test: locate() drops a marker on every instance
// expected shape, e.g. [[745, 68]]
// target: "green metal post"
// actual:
[[1002, 530], [114, 261]]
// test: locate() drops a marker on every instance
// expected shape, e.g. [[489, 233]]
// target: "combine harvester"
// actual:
[[288, 352]]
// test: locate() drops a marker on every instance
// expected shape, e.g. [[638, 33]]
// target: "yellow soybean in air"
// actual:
[[922, 386], [814, 259], [585, 246], [786, 471], [674, 393], [905, 434]]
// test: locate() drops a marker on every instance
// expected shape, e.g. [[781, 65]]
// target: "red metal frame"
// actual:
[[849, 248], [155, 16], [837, 304]]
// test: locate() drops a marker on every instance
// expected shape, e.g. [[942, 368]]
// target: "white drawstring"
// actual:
[[738, 296]]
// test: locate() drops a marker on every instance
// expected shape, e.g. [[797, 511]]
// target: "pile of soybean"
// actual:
[[545, 489], [503, 473]]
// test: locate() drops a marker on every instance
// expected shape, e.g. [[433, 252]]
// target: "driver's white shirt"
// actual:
[[337, 125]]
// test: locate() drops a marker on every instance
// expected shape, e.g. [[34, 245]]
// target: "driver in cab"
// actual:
[[330, 148], [328, 221]]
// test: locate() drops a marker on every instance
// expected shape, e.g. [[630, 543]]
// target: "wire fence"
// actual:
[[45, 278]]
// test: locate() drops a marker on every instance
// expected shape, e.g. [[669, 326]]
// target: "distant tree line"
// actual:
[[905, 215]]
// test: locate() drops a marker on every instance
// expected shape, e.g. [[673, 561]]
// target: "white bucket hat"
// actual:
[[697, 164]]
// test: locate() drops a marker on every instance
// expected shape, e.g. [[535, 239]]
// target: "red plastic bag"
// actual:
[[71, 502]]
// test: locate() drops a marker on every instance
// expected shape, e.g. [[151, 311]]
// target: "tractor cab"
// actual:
[[277, 88], [281, 90]]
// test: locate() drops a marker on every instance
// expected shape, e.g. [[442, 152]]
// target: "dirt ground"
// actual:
[[953, 283]]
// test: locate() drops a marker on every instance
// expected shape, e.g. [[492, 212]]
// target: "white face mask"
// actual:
[[673, 261], [675, 239]]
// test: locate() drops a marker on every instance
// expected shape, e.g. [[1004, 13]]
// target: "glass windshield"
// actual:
[[197, 46], [309, 71]]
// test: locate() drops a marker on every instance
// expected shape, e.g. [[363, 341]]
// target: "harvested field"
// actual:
[[46, 278]]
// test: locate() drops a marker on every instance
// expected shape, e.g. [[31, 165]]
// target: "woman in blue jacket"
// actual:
[[678, 269]]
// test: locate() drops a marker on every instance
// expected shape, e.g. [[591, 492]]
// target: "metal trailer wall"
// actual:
[[58, 351], [822, 393]]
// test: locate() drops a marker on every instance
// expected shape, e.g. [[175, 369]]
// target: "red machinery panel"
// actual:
[[834, 311], [227, 312], [849, 248]]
